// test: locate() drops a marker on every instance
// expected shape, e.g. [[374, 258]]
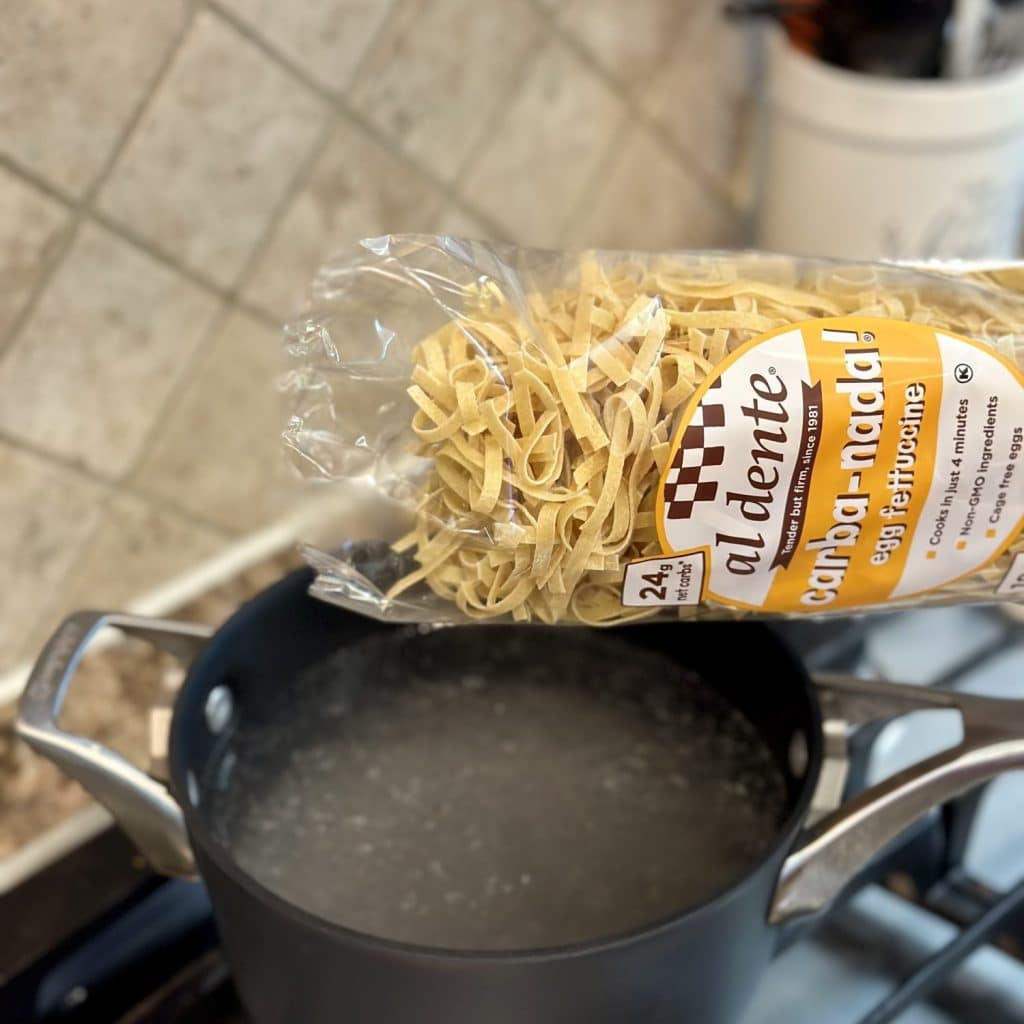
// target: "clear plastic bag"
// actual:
[[607, 436]]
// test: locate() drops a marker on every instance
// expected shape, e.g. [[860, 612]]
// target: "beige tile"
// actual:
[[326, 37], [219, 455], [100, 353], [355, 190], [46, 516], [628, 39], [215, 152], [72, 74], [30, 225], [459, 222], [545, 150], [440, 73], [140, 545], [698, 95], [650, 202]]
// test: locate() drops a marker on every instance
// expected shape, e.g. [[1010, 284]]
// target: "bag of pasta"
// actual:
[[610, 436]]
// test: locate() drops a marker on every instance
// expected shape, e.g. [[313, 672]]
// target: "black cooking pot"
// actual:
[[700, 965]]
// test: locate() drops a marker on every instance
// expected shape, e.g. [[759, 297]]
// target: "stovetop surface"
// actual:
[[931, 937], [856, 967]]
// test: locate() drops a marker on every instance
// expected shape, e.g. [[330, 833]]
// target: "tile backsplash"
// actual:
[[171, 172]]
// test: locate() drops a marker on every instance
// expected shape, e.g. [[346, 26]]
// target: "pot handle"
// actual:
[[832, 852], [143, 807]]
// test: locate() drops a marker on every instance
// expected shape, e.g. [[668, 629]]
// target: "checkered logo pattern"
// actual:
[[687, 482]]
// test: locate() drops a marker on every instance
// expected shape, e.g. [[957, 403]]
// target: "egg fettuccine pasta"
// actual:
[[548, 422]]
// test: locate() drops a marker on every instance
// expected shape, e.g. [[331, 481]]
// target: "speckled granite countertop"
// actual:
[[112, 693]]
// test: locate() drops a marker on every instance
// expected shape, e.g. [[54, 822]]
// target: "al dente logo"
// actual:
[[766, 404], [802, 471], [692, 476]]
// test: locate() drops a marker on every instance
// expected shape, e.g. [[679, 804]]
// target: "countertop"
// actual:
[[112, 693]]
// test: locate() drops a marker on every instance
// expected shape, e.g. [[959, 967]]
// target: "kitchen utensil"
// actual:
[[876, 37], [1005, 43], [701, 964], [966, 34], [862, 167]]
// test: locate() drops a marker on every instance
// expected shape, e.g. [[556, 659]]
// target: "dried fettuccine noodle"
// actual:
[[548, 425]]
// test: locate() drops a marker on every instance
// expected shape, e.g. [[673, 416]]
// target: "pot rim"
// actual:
[[781, 845]]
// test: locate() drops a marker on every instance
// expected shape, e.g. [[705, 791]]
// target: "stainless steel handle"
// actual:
[[142, 806], [842, 842]]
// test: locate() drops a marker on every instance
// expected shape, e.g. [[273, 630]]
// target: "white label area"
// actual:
[[843, 463], [758, 408], [666, 580], [977, 487]]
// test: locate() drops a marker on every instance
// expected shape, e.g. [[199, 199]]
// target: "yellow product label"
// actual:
[[839, 463]]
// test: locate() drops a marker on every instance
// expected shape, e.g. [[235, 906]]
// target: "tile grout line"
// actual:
[[76, 573], [85, 210], [62, 243], [231, 301], [265, 317], [83, 207], [301, 178], [478, 151], [585, 54], [111, 487], [30, 177], [449, 190], [692, 167], [452, 190], [247, 32], [189, 515], [546, 15], [378, 35], [91, 194], [591, 189], [73, 466], [232, 297], [175, 506], [445, 189], [342, 106], [159, 254], [108, 491], [722, 193], [719, 190], [195, 277], [126, 233], [633, 109], [203, 353], [60, 250], [111, 492], [537, 48], [632, 112]]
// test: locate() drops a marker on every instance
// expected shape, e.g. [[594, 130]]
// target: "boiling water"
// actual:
[[496, 789]]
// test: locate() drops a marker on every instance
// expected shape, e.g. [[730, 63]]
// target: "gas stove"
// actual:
[[932, 933]]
